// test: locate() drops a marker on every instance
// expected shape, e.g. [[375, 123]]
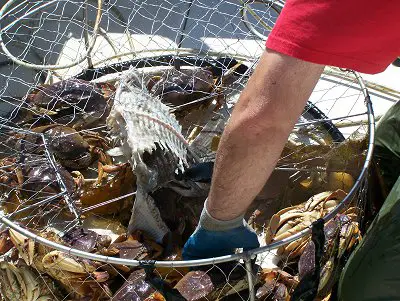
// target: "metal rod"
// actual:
[[107, 202], [345, 124], [184, 24], [329, 119], [389, 92], [113, 260], [197, 101], [86, 35], [250, 278], [177, 62], [48, 200], [368, 158], [3, 45], [290, 169], [70, 202]]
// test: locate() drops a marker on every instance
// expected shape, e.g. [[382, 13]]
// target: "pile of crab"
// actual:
[[310, 267], [67, 174], [32, 271]]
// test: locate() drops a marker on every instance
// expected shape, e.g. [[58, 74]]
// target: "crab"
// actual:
[[136, 246], [292, 220], [178, 87], [21, 282], [11, 174], [73, 102], [81, 153], [71, 149], [78, 277], [341, 235], [214, 282], [138, 288], [5, 242], [86, 240], [195, 285], [77, 151], [276, 284], [32, 185]]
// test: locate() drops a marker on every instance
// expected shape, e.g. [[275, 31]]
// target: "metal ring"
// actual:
[[275, 5], [233, 257], [3, 11]]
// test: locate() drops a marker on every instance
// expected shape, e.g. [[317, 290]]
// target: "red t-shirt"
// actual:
[[357, 34]]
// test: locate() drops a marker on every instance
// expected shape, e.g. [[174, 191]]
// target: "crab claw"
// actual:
[[59, 260], [326, 274], [32, 286], [22, 283], [100, 276], [5, 242], [349, 235], [24, 245], [9, 282]]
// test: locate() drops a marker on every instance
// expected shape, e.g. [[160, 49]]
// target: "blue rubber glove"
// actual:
[[214, 238]]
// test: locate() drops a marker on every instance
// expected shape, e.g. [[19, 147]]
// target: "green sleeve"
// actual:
[[372, 272], [387, 146]]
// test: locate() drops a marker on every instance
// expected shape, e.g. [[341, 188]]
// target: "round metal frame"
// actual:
[[246, 256], [3, 13]]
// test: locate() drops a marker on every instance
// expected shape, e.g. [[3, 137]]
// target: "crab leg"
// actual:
[[24, 245]]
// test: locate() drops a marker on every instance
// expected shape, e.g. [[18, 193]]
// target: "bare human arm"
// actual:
[[250, 146], [260, 124]]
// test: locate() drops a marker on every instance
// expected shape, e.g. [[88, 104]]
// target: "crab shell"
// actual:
[[20, 282], [292, 220], [136, 246], [179, 87], [72, 102], [214, 284], [137, 288], [78, 277], [37, 182], [195, 285], [276, 283], [5, 242]]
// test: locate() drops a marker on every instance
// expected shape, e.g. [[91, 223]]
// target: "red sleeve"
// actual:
[[357, 34]]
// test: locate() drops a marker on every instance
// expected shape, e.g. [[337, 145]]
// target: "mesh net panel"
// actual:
[[61, 65]]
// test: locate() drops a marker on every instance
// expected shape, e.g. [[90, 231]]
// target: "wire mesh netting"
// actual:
[[105, 107]]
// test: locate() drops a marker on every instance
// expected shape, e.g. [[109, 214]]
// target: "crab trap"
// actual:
[[104, 107]]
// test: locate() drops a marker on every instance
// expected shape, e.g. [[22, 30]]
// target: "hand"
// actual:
[[214, 238], [201, 172], [206, 244]]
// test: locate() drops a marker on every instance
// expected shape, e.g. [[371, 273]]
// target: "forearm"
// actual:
[[257, 131]]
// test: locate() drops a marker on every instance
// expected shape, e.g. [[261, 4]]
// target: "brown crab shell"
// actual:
[[136, 288], [195, 285], [41, 182], [67, 93], [82, 239], [179, 87], [5, 242], [69, 147], [73, 102]]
